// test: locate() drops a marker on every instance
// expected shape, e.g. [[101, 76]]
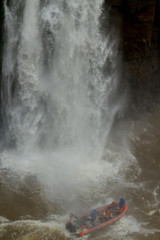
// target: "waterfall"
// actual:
[[56, 101]]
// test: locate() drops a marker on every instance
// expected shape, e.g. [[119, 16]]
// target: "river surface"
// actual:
[[65, 143], [26, 212]]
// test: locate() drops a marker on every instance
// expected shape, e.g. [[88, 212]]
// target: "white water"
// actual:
[[58, 105]]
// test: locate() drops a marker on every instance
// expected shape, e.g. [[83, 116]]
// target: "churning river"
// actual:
[[65, 145]]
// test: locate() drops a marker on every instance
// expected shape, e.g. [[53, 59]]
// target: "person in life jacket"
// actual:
[[73, 219], [107, 214], [72, 224], [93, 215], [121, 203]]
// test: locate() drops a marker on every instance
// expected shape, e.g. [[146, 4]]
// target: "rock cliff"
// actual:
[[1, 31], [140, 47]]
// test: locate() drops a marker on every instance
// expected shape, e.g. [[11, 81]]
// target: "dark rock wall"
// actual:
[[1, 48], [1, 32], [140, 47]]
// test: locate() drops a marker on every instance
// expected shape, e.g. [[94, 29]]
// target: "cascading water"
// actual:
[[57, 111], [59, 92], [59, 81], [60, 75]]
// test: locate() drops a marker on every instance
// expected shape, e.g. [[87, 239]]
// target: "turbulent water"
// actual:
[[63, 148]]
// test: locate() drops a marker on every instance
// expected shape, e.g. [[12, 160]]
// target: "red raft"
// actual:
[[96, 219]]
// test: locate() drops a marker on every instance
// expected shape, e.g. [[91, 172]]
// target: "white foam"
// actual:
[[3, 219]]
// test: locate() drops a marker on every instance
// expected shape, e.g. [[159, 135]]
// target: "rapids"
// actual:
[[65, 145]]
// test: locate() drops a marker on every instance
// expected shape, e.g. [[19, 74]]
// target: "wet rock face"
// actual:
[[140, 46], [1, 32], [140, 27], [138, 30]]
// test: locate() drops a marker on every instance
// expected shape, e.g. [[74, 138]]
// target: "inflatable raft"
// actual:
[[97, 218]]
